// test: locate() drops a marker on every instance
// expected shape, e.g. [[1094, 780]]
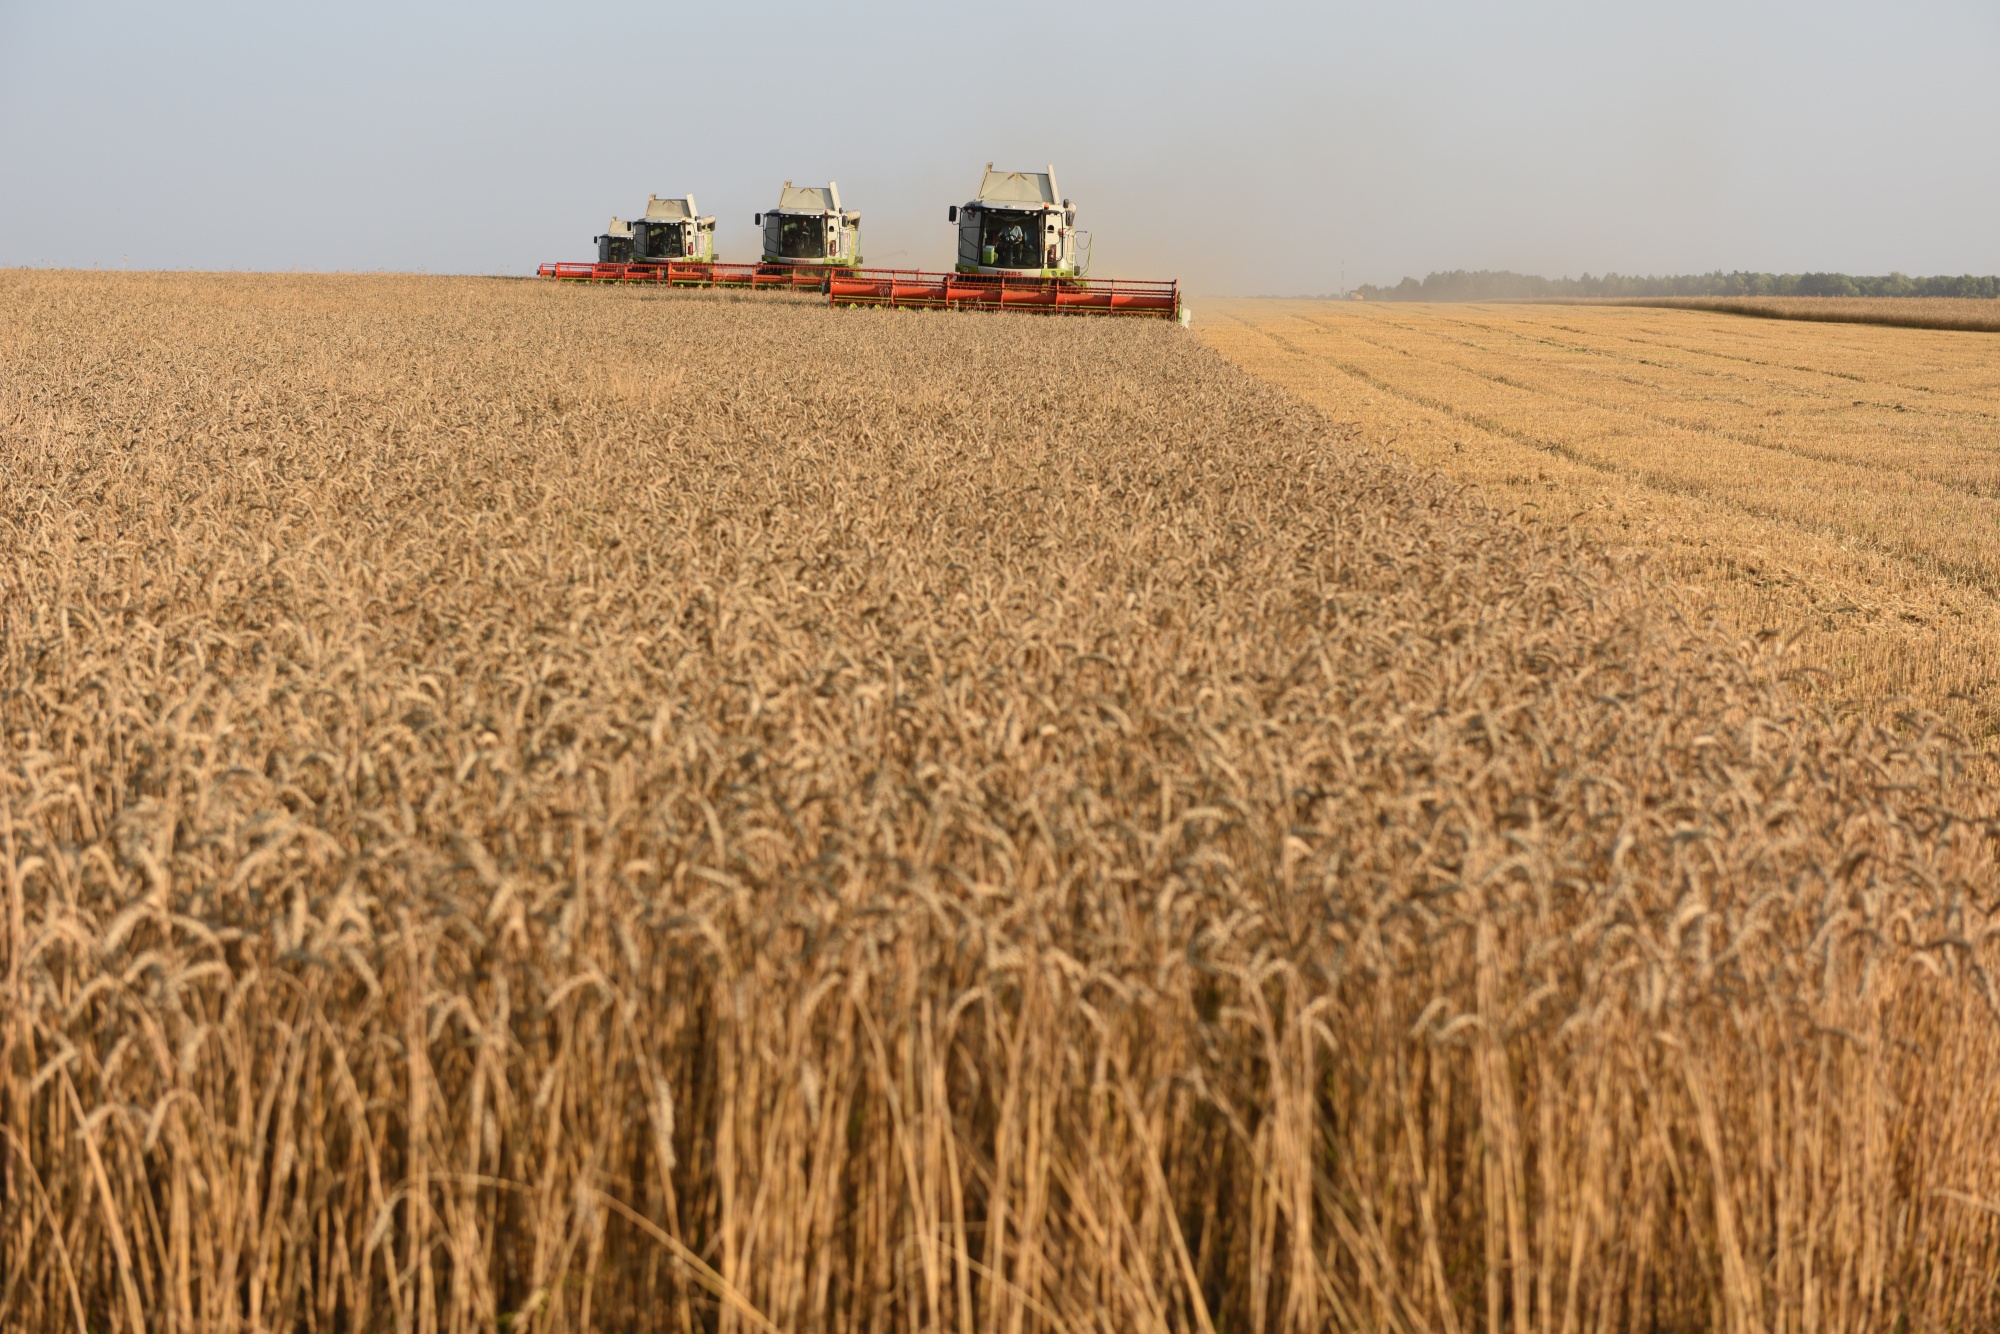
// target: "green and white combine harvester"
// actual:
[[809, 229], [673, 231]]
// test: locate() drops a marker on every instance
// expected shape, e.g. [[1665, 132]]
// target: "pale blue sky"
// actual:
[[1254, 147]]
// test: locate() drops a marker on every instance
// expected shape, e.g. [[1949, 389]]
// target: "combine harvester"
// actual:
[[1018, 249], [615, 246], [805, 238], [809, 230], [672, 232]]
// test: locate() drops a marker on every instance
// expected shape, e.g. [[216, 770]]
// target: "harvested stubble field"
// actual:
[[553, 808], [1914, 312], [1835, 485]]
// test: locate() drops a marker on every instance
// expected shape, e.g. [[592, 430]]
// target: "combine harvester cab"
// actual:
[[1018, 226], [673, 232], [1018, 249], [809, 230], [615, 246]]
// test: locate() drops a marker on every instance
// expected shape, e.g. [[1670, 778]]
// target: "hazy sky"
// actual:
[[1252, 147]]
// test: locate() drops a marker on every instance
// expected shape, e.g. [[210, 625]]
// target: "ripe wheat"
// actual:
[[569, 808]]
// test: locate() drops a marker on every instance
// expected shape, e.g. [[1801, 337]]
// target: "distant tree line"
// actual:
[[1487, 285]]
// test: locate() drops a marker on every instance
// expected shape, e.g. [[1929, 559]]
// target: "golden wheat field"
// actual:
[[548, 808], [1838, 485]]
